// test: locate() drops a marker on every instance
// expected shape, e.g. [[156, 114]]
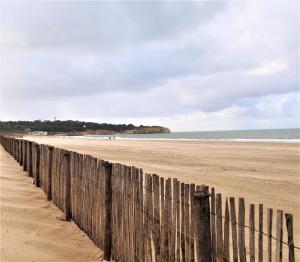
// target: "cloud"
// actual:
[[142, 60], [269, 68], [277, 106]]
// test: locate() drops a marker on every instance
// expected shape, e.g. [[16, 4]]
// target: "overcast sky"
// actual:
[[210, 65]]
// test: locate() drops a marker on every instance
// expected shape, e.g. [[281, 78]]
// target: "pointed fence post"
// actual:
[[67, 174], [202, 225], [289, 225], [25, 161], [37, 167], [49, 174], [108, 209], [21, 152], [29, 168]]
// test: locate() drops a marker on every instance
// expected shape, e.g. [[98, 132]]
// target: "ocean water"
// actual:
[[266, 135]]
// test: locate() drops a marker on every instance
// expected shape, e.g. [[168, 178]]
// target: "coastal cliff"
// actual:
[[148, 130], [138, 130]]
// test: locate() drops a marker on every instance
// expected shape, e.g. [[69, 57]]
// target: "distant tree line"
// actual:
[[58, 126]]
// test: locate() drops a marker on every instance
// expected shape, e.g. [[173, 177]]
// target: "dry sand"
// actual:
[[32, 229], [267, 173]]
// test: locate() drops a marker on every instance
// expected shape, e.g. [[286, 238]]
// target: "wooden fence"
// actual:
[[133, 216]]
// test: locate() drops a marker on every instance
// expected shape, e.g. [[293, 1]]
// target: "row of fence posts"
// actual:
[[113, 203], [53, 170]]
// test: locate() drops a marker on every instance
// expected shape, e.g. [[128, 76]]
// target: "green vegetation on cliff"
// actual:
[[75, 127]]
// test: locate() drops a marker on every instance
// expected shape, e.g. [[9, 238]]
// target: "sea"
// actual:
[[261, 135]]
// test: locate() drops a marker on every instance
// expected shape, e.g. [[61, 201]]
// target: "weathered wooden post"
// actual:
[[67, 189], [235, 255], [14, 148], [25, 161], [9, 145], [219, 228], [18, 150], [21, 152], [49, 173], [202, 225], [260, 234], [29, 158], [252, 232], [13, 144], [289, 225], [241, 230], [270, 220], [37, 165], [108, 208], [279, 236]]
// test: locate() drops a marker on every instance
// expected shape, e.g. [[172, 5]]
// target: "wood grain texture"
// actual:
[[241, 230], [235, 255], [260, 234], [213, 224], [289, 225], [252, 233], [226, 233], [269, 226], [219, 227], [279, 236]]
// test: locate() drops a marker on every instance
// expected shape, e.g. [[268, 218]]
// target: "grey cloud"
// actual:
[[102, 24], [126, 57]]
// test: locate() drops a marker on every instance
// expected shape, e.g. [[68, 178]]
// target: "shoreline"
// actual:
[[118, 138], [106, 137]]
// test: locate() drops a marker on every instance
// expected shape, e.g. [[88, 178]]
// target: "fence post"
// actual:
[[37, 167], [67, 175], [289, 225], [108, 207], [241, 230], [279, 233], [260, 234], [25, 155], [21, 152], [202, 225], [270, 220], [29, 158], [13, 148], [18, 150], [49, 174]]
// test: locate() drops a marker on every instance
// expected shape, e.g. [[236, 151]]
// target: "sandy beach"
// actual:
[[33, 229], [266, 173], [137, 108]]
